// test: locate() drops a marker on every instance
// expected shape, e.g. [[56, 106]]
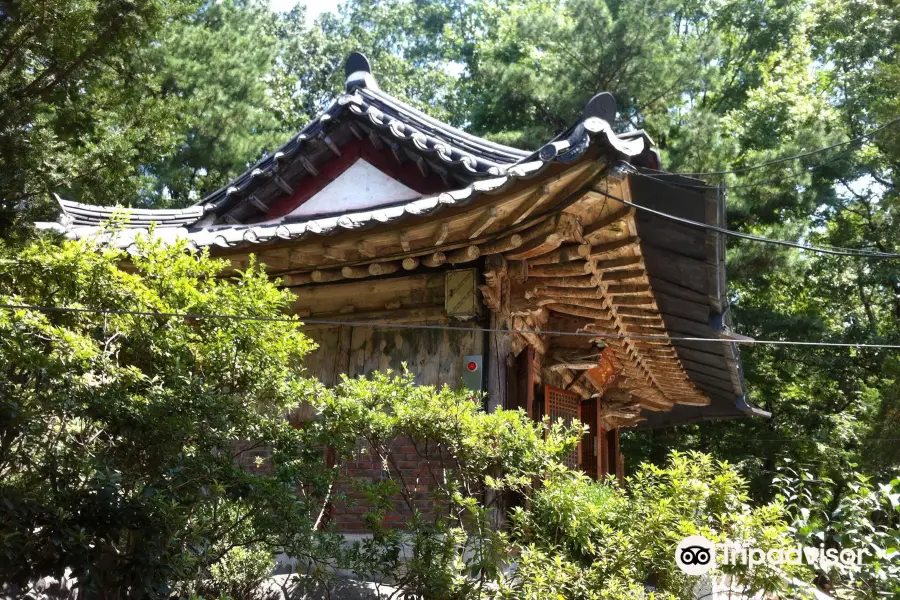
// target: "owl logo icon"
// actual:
[[695, 555]]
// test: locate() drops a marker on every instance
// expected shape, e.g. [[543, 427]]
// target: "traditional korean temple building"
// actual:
[[379, 217]]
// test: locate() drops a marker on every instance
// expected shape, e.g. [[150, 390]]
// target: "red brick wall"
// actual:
[[254, 458], [410, 467]]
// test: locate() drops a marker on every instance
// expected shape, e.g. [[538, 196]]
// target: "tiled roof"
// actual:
[[78, 215], [589, 131], [364, 107], [688, 284], [228, 236]]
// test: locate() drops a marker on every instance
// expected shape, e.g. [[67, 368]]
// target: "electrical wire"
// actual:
[[783, 159], [837, 251], [658, 175], [336, 322]]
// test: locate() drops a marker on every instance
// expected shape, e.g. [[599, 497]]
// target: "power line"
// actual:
[[659, 175], [796, 156], [300, 321], [757, 238]]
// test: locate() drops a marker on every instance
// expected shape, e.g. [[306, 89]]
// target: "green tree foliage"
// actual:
[[79, 109], [122, 435], [451, 545], [410, 43], [857, 512], [582, 539], [119, 431], [214, 69]]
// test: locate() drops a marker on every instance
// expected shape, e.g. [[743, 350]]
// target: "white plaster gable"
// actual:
[[360, 187]]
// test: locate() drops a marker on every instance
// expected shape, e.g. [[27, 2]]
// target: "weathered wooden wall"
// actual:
[[433, 356]]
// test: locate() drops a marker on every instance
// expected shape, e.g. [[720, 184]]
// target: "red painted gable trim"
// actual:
[[407, 173]]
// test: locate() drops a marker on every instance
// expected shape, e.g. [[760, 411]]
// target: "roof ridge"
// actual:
[[366, 111]]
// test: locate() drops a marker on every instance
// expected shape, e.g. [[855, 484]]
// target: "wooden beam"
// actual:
[[296, 279], [628, 289], [355, 272], [308, 255], [334, 253], [257, 203], [700, 399], [326, 276], [658, 322], [332, 146], [384, 268], [643, 330], [647, 344], [410, 263], [660, 352], [599, 316], [404, 240], [374, 293], [355, 130], [563, 228], [422, 164], [463, 255], [572, 269], [571, 358], [408, 315], [625, 275], [528, 204], [543, 292], [562, 255], [633, 301], [608, 220], [602, 251], [486, 220], [399, 153], [504, 244], [435, 259], [583, 281], [592, 303], [617, 263], [365, 249], [441, 236], [637, 312], [287, 189]]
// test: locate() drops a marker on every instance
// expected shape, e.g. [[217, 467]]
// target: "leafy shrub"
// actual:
[[452, 547], [241, 571], [117, 430], [853, 513], [583, 539], [119, 464]]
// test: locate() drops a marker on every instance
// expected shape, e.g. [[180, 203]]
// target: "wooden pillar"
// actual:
[[526, 383], [600, 441], [615, 464], [590, 447], [499, 347]]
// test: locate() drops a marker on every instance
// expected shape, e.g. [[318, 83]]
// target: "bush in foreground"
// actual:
[[119, 464]]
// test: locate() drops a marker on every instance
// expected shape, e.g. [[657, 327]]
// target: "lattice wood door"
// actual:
[[560, 404]]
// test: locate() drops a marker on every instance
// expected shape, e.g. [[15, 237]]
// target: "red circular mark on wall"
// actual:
[[472, 365]]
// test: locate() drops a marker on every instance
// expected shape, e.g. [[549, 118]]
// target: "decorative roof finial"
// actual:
[[358, 71], [602, 106]]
